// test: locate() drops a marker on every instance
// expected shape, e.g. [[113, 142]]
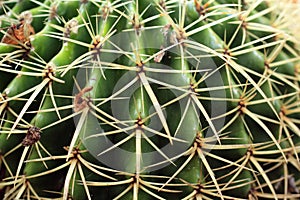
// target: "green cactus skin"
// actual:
[[17, 87], [149, 99]]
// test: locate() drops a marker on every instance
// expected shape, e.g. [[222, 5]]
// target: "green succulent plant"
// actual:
[[149, 99]]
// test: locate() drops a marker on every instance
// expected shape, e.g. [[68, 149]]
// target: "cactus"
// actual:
[[150, 99]]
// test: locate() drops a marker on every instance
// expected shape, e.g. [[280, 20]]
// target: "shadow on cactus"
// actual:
[[148, 99]]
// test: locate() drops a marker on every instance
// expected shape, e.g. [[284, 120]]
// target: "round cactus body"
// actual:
[[149, 99]]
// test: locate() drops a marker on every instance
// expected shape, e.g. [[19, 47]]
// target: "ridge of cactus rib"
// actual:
[[149, 99]]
